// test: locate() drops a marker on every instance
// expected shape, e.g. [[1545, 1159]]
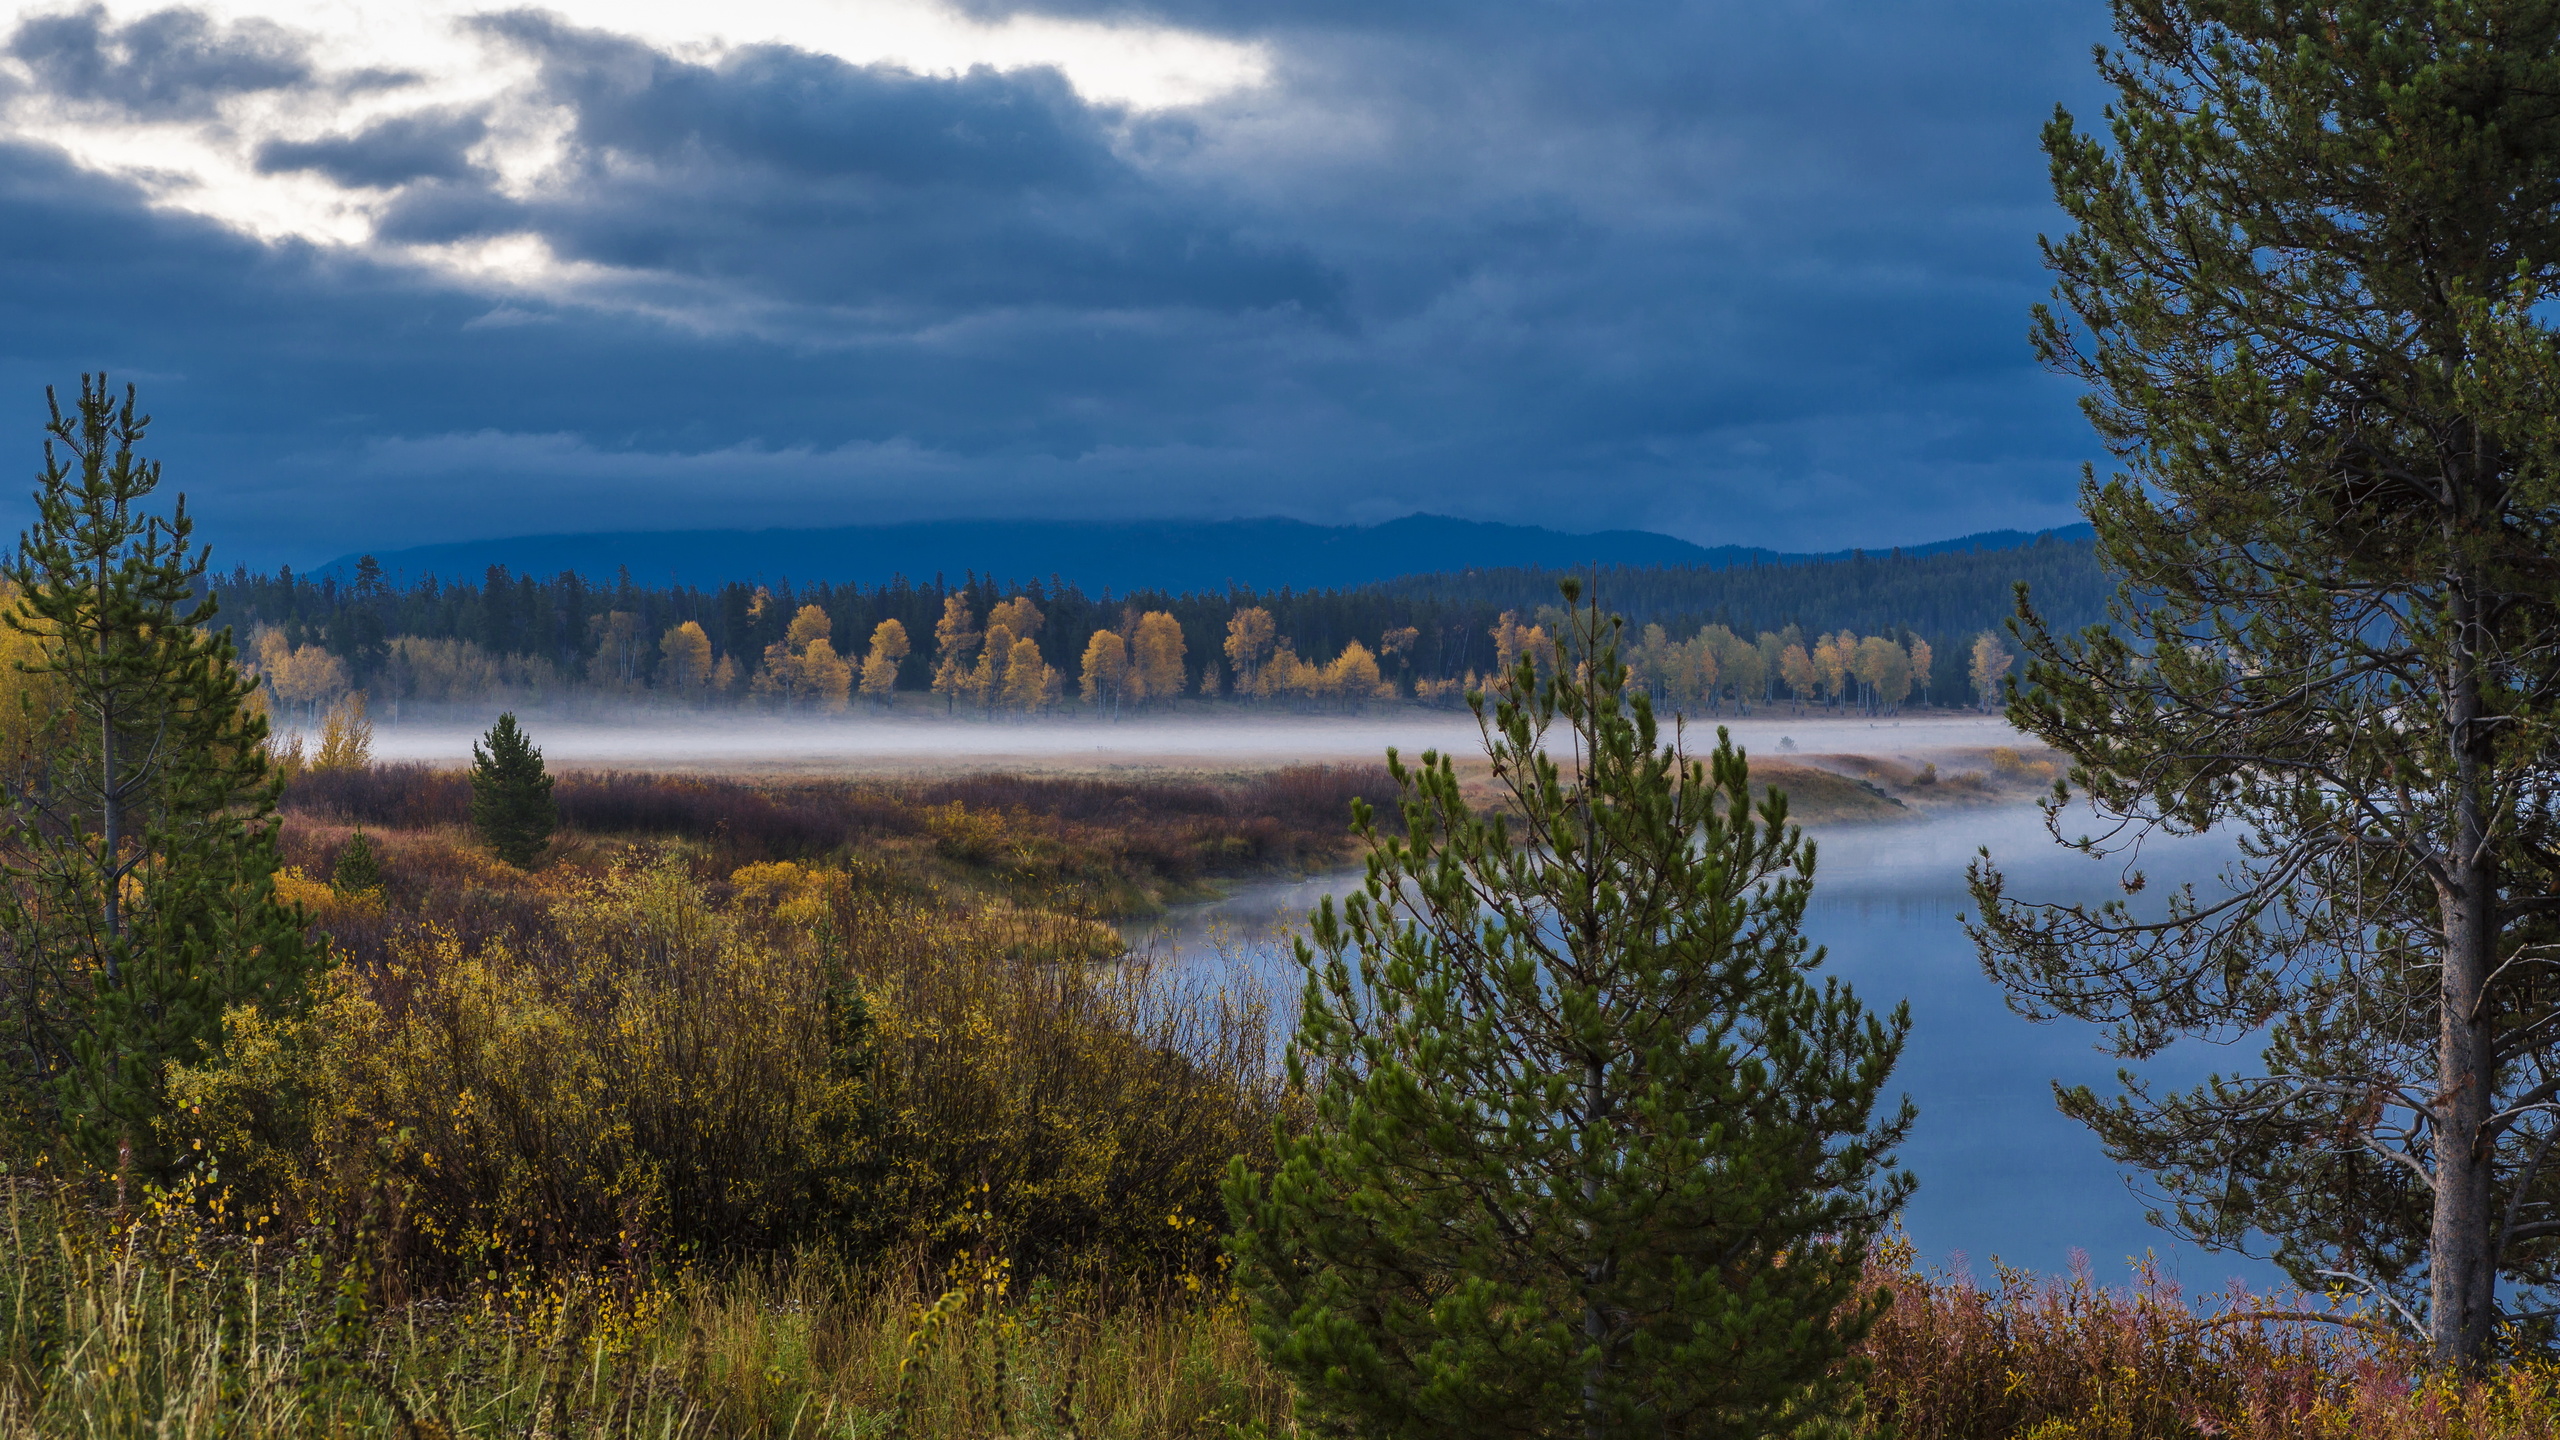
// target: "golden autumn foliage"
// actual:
[[346, 736], [810, 1060], [880, 666], [1105, 671], [1987, 667], [1156, 670], [802, 669], [1250, 635], [956, 638], [302, 678], [685, 658]]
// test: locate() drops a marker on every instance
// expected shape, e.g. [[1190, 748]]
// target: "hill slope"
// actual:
[[1174, 556]]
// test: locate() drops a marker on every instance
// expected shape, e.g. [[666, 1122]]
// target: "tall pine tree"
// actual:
[[1594, 1154], [2308, 284], [138, 893]]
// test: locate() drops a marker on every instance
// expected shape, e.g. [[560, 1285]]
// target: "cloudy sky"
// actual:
[[394, 271]]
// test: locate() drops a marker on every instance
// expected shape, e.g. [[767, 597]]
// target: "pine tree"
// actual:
[[139, 897], [357, 871], [2309, 285], [511, 795], [1592, 1154]]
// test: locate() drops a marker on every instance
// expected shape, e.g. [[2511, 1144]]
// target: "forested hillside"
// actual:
[[1933, 592], [531, 639]]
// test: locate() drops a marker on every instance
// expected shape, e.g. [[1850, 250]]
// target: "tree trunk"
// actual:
[[1595, 1321], [110, 812], [2461, 1271]]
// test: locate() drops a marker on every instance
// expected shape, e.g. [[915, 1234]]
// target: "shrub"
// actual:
[[2066, 1358], [1044, 1087], [649, 1073]]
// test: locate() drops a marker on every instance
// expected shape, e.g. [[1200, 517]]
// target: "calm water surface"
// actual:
[[2002, 1174]]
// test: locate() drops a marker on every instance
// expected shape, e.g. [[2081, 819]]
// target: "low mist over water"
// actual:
[[663, 740], [2002, 1173]]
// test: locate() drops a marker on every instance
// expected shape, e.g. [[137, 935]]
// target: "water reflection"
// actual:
[[2001, 1173]]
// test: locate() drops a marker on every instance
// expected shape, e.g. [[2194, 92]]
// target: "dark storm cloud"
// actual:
[[424, 145], [801, 178], [1749, 273], [170, 64]]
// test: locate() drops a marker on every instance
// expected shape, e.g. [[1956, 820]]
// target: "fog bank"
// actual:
[[860, 743]]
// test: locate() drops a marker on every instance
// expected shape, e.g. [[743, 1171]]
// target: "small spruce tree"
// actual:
[[357, 870], [1593, 1155], [137, 899], [511, 794]]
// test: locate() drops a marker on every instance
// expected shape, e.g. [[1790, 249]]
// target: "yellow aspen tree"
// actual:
[[1797, 669], [1867, 666], [1250, 633], [1885, 669], [986, 682], [1831, 664], [809, 624], [1278, 676], [1026, 676], [1679, 667], [826, 678], [880, 667], [955, 640], [724, 676], [1354, 677], [1920, 661], [1703, 673], [1991, 662], [1018, 615], [779, 680], [1742, 667], [1156, 654], [1212, 684], [346, 736], [1106, 670], [316, 677], [686, 658], [1738, 668], [1292, 676]]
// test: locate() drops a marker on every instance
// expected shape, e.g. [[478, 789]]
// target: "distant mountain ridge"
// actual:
[[1175, 556]]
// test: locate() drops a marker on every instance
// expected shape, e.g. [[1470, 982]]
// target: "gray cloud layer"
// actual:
[[1748, 273]]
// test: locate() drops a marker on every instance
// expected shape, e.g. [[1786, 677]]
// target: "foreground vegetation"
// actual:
[[145, 1322], [607, 1148]]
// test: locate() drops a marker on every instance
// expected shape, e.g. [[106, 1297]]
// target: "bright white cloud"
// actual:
[[206, 164]]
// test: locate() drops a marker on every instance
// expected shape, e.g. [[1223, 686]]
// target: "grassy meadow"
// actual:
[[797, 1108]]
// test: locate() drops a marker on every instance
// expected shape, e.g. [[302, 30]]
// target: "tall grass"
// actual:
[[124, 1325], [142, 1323]]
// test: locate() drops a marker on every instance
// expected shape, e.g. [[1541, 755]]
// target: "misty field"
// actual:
[[665, 740]]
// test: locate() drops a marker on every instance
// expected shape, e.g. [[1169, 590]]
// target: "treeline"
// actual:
[[529, 639]]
